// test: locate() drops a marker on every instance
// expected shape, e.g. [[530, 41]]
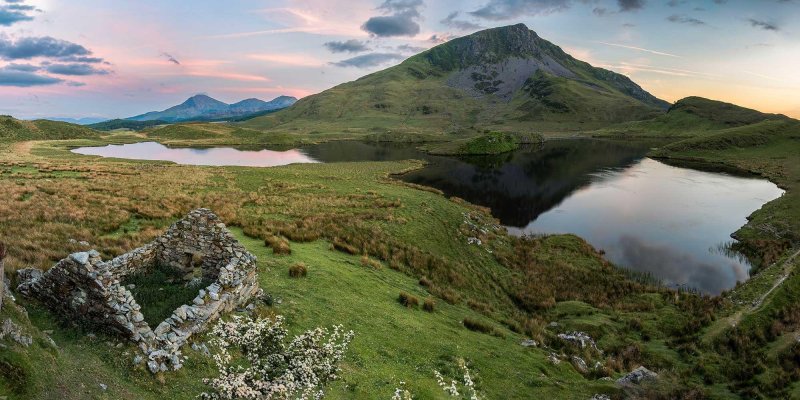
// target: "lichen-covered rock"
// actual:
[[83, 287], [637, 376], [578, 338]]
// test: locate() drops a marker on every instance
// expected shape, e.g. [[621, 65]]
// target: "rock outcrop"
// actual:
[[637, 376], [83, 287]]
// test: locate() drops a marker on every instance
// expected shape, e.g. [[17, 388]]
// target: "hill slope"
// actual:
[[693, 116], [201, 108], [41, 129], [504, 77]]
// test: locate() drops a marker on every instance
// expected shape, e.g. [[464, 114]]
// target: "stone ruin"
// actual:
[[84, 288]]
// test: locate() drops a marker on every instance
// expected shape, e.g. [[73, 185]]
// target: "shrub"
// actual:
[[344, 247], [424, 281], [278, 244], [429, 305], [369, 262], [298, 270], [477, 326], [270, 366], [408, 300]]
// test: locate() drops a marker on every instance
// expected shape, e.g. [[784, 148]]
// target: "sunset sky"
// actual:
[[100, 58]]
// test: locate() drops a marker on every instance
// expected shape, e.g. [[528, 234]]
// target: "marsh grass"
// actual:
[[298, 270]]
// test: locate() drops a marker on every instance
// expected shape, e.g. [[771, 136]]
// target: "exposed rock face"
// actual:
[[636, 377], [83, 287]]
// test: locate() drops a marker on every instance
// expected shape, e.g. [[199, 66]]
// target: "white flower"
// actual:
[[271, 367]]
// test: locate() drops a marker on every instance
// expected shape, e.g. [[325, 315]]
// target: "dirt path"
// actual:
[[784, 275]]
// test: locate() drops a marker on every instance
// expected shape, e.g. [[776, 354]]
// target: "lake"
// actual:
[[672, 222]]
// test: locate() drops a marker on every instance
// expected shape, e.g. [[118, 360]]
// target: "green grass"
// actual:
[[390, 344], [40, 129], [398, 235], [160, 290]]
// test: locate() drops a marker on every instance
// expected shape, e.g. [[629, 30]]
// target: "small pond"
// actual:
[[672, 222]]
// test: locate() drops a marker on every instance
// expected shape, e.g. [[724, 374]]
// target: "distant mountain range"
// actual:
[[78, 121], [505, 78], [205, 108]]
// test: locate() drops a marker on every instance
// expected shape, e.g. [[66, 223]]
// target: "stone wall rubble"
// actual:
[[83, 287]]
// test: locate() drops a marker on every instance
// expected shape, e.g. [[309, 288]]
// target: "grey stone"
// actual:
[[96, 297], [80, 258], [103, 387], [152, 366], [636, 376], [137, 316]]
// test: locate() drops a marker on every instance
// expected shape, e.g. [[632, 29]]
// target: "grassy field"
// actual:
[[363, 238]]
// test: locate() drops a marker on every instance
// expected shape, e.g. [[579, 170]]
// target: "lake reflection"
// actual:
[[202, 156], [669, 221], [648, 216]]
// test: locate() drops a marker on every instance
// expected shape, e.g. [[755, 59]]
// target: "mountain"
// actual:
[[205, 108], [42, 129], [500, 78], [113, 124], [249, 106], [78, 121]]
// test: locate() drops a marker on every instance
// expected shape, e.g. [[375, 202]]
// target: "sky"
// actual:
[[106, 59]]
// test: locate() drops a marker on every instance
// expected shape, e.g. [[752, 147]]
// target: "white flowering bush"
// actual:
[[402, 393], [256, 360], [467, 385]]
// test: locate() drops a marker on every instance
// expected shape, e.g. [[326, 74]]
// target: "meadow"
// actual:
[[346, 243]]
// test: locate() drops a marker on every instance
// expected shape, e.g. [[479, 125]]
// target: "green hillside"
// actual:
[[42, 129], [691, 117], [504, 78], [113, 124]]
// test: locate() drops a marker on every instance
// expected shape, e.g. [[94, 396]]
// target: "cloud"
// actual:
[[763, 25], [660, 53], [685, 19], [400, 19], [600, 11], [13, 12], [407, 48], [439, 38], [349, 46], [454, 23], [630, 5], [392, 25], [170, 58], [677, 268], [75, 69], [46, 46], [498, 10], [369, 60], [22, 67], [10, 77]]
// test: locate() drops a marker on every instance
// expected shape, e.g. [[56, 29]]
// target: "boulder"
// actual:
[[637, 376]]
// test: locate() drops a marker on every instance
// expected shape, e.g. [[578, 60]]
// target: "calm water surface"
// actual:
[[670, 221]]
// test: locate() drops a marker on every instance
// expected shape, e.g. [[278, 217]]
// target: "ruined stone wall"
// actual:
[[84, 288]]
